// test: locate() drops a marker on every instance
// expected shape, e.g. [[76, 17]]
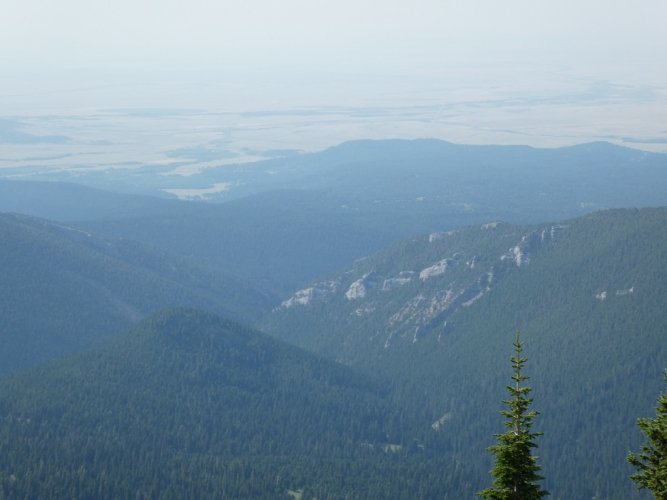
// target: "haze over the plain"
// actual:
[[93, 84]]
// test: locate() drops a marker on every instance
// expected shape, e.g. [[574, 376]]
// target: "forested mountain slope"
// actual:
[[63, 289], [278, 240], [438, 315], [189, 405]]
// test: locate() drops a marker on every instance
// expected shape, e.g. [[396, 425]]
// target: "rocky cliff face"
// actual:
[[413, 289]]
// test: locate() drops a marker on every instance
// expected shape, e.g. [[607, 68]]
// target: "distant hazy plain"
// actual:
[[182, 123]]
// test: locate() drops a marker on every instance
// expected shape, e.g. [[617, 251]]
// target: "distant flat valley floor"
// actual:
[[162, 128]]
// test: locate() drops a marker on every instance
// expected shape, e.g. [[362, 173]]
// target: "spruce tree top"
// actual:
[[651, 462], [516, 469]]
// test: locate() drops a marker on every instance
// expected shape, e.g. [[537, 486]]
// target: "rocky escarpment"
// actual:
[[414, 288]]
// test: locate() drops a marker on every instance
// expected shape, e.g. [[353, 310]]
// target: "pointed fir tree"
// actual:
[[651, 462], [516, 469]]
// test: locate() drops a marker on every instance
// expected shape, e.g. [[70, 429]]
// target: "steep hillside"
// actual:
[[188, 405], [438, 314], [279, 240], [408, 291], [63, 289]]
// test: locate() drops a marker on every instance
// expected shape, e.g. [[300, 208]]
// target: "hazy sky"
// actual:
[[343, 35], [539, 72]]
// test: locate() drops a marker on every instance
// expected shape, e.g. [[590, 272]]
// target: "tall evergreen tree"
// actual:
[[516, 469], [651, 462]]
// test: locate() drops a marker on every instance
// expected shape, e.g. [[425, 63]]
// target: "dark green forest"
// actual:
[[188, 405]]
